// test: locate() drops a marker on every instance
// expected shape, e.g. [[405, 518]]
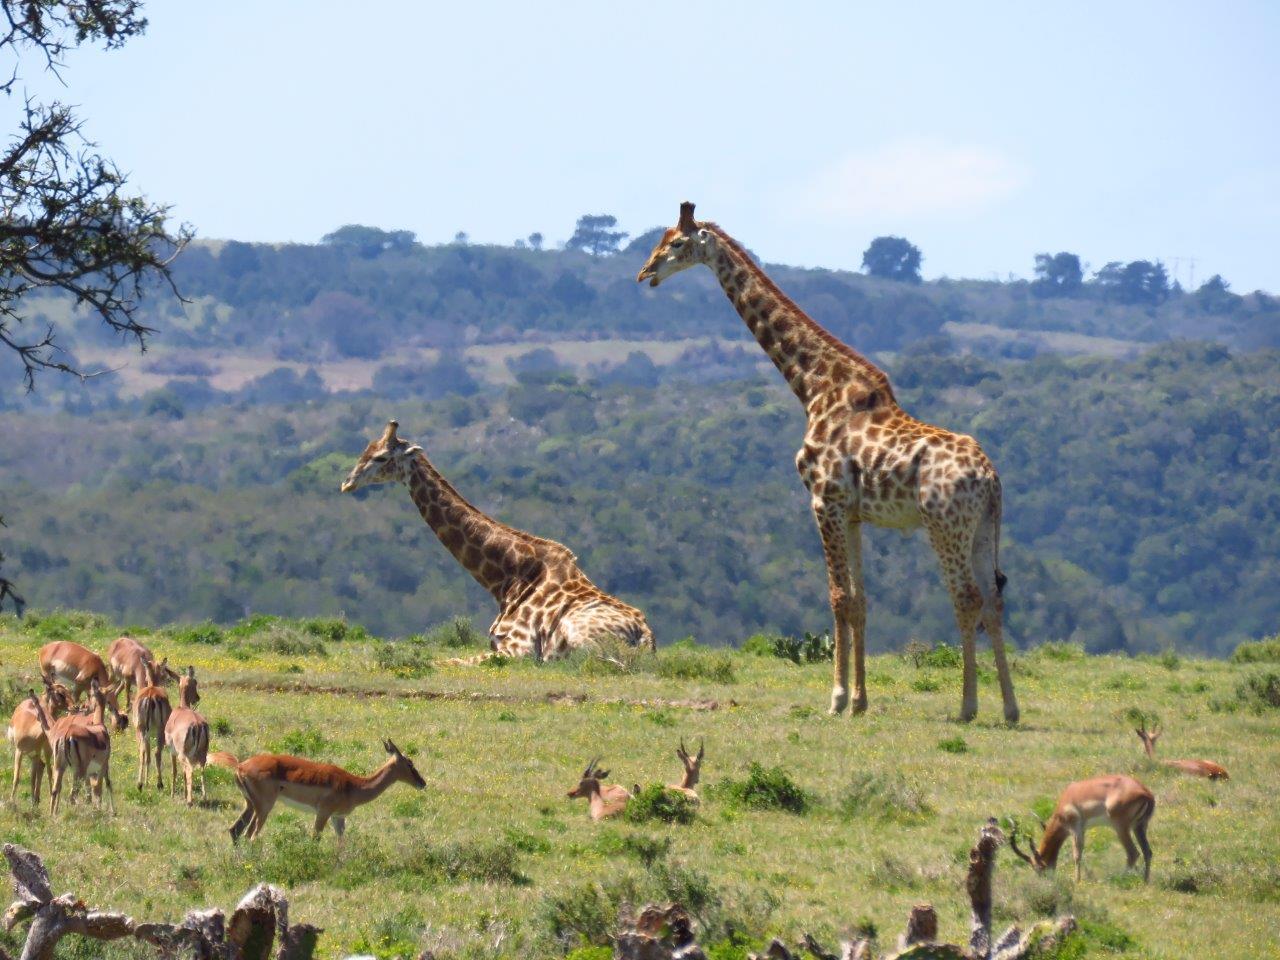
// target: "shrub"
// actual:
[[1266, 650], [206, 633], [656, 802], [393, 937], [884, 797], [587, 914], [942, 657], [456, 633], [682, 664], [1260, 692], [303, 743], [1056, 650], [926, 684], [766, 788], [62, 624], [402, 659], [953, 745], [333, 630], [488, 861]]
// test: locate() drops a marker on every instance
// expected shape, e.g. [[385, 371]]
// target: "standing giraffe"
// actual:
[[546, 604], [864, 459]]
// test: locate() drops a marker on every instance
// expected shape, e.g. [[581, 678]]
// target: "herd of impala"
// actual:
[[58, 733]]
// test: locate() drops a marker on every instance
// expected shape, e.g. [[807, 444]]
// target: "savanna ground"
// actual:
[[493, 860]]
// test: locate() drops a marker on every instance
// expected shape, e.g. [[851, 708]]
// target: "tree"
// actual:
[[67, 221], [1215, 296], [893, 258], [1057, 275], [595, 234], [535, 240], [369, 242], [1139, 281]]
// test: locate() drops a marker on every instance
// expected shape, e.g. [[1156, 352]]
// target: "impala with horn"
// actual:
[[692, 771], [26, 732], [1119, 801], [603, 799], [77, 667], [132, 664], [81, 743], [1196, 768], [324, 789]]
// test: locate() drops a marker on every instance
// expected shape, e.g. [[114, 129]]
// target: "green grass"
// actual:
[[492, 860]]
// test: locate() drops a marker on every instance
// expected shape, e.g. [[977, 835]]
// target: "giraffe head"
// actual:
[[384, 460], [684, 245]]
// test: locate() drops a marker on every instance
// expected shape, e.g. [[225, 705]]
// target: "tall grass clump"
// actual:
[[656, 802], [207, 633], [692, 664], [1260, 692], [1059, 651], [405, 659], [1266, 650], [766, 788], [456, 633], [884, 796]]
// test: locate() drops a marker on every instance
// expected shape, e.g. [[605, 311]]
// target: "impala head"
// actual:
[[404, 768], [1149, 737], [187, 692], [684, 245], [57, 697], [110, 703], [1033, 857], [589, 783], [692, 765], [384, 460], [164, 673]]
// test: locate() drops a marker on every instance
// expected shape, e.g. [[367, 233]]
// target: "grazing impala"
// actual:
[[604, 800], [81, 742], [1196, 768], [129, 662], [151, 712], [76, 667], [1118, 800], [27, 734], [326, 790], [692, 772], [187, 735]]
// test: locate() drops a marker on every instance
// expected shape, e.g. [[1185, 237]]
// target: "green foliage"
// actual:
[[1266, 650], [402, 658], [61, 624], [1061, 652], [955, 744], [687, 664], [657, 802], [1260, 692], [766, 788], [883, 796], [202, 633], [307, 742], [893, 258], [811, 648], [942, 657], [456, 633], [482, 861], [1091, 938]]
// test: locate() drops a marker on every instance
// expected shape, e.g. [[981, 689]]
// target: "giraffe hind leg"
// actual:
[[991, 583], [966, 598]]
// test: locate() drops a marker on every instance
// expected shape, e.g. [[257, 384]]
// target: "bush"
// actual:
[[206, 633], [768, 788], [1260, 692], [302, 743], [953, 745], [942, 657], [683, 664], [333, 630], [811, 648], [489, 861], [403, 659], [1258, 651], [456, 633], [656, 802], [884, 797], [62, 624]]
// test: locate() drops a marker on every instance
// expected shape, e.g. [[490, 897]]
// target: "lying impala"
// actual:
[[151, 711], [326, 790], [82, 743], [76, 667], [692, 771], [187, 735], [27, 734], [132, 664], [604, 800], [1117, 800], [1196, 768]]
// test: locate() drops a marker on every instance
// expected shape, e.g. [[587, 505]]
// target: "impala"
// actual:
[[76, 667], [604, 800], [1197, 768], [151, 711], [692, 771], [132, 664], [1117, 800], [187, 735], [326, 790], [27, 734], [82, 743]]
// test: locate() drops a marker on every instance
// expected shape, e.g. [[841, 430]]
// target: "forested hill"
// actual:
[[1142, 501]]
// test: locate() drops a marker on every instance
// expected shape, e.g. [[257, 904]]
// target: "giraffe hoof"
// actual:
[[839, 700], [858, 706], [1011, 714], [967, 713]]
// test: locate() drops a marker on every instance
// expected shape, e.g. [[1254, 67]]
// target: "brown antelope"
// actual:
[[692, 772], [132, 664], [1196, 768], [187, 735], [82, 743], [76, 667], [1121, 801], [151, 711], [604, 800], [27, 734], [326, 790]]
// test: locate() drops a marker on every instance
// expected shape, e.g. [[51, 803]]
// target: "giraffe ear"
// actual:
[[687, 224]]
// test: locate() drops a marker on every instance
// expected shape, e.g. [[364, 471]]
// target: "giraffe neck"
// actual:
[[812, 361], [476, 540]]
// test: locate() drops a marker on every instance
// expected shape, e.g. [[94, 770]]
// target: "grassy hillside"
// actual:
[[492, 860]]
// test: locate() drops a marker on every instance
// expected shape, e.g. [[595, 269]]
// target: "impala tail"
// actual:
[[221, 758]]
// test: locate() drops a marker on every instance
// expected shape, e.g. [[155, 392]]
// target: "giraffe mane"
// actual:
[[822, 332]]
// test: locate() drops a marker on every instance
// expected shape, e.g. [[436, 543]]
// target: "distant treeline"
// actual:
[[1142, 502]]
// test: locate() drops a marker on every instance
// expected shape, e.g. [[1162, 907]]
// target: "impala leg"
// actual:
[[339, 826], [1126, 841], [144, 757], [159, 764], [105, 780], [187, 775], [322, 820], [246, 816], [1140, 828], [17, 775], [173, 775], [37, 774], [1077, 847]]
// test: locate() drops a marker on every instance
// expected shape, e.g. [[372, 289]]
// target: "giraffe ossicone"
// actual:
[[546, 605], [864, 460]]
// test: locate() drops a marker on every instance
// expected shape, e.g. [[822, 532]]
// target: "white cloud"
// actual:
[[908, 179]]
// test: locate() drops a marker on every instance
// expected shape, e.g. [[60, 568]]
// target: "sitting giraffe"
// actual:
[[864, 460], [546, 604]]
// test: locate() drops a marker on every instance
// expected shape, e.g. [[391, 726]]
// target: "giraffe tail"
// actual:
[[996, 510]]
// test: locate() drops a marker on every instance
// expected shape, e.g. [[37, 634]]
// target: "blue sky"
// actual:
[[985, 133]]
